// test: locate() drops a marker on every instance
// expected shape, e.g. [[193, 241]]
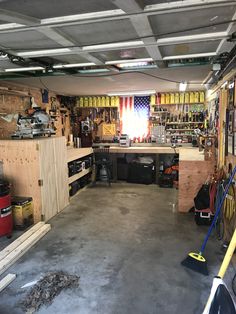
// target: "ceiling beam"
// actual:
[[14, 17], [142, 26], [129, 6], [57, 36], [64, 40], [224, 45]]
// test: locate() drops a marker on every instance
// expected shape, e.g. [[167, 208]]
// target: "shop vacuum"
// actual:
[[6, 220]]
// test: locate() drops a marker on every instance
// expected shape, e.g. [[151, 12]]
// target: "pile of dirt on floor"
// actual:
[[47, 288]]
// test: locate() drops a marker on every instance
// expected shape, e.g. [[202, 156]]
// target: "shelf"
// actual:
[[158, 112], [79, 175], [187, 103], [76, 153], [180, 129], [171, 135], [78, 192], [184, 122]]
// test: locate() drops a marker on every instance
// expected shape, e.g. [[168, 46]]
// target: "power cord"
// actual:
[[233, 284]]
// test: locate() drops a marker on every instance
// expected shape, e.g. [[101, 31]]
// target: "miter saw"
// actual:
[[36, 123]]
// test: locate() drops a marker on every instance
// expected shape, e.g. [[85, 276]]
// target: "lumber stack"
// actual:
[[6, 281], [20, 246]]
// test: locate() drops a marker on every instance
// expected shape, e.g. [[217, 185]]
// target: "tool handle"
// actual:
[[217, 212], [228, 256]]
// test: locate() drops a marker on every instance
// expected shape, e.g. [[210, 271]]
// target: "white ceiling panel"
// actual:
[[70, 59], [96, 33], [137, 53], [26, 40], [179, 23], [52, 8]]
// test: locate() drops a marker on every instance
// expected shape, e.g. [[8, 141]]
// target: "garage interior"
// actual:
[[117, 156]]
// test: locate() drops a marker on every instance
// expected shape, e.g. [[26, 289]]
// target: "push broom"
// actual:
[[220, 300], [196, 261]]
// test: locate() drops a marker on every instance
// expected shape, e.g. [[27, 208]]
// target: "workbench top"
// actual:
[[142, 150], [185, 153]]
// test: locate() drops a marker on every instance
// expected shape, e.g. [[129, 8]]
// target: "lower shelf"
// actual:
[[80, 190], [79, 175]]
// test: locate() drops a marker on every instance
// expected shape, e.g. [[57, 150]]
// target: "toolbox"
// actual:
[[22, 210], [141, 173]]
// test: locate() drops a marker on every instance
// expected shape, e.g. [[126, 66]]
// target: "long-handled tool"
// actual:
[[196, 261], [220, 300]]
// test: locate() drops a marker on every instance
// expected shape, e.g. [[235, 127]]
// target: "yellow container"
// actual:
[[22, 210]]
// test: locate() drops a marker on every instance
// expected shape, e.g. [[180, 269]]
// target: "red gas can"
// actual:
[[6, 221]]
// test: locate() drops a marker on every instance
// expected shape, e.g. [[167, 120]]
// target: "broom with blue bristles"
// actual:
[[196, 261]]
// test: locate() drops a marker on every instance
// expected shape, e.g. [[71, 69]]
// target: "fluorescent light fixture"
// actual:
[[130, 93], [89, 71], [194, 55], [136, 65], [84, 16], [10, 26], [182, 86], [192, 38], [72, 65], [43, 52], [24, 69], [114, 45], [129, 60]]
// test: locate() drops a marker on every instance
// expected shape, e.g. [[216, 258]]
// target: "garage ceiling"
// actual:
[[91, 34]]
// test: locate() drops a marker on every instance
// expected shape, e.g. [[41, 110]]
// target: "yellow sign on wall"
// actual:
[[108, 129]]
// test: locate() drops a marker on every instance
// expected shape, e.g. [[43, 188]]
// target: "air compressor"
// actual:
[[6, 220]]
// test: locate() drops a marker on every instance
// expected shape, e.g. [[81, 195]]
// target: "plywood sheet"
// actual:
[[20, 166], [191, 153], [192, 174], [47, 170], [61, 172]]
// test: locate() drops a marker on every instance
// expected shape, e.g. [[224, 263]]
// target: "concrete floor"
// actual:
[[126, 244]]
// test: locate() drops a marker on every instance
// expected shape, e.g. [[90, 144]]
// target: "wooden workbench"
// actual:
[[149, 150]]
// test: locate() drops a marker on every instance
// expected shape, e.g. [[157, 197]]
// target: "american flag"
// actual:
[[126, 114], [141, 113], [134, 114]]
